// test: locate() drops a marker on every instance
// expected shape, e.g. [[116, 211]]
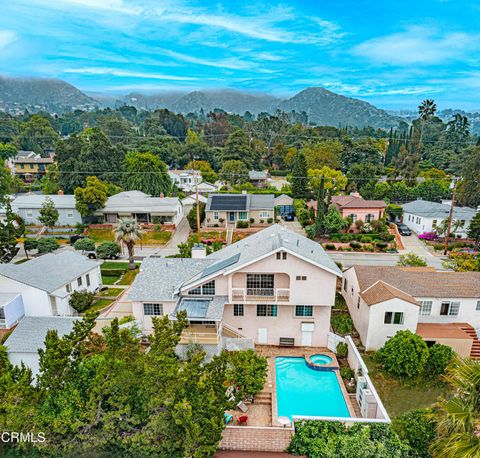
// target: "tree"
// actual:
[[81, 300], [299, 178], [6, 180], [324, 153], [92, 197], [361, 152], [233, 172], [47, 245], [108, 250], [237, 148], [205, 169], [334, 180], [7, 150], [404, 355], [474, 230], [411, 260], [128, 232], [48, 213], [37, 135], [50, 184], [321, 206], [84, 244], [469, 186], [458, 428], [460, 261], [361, 178], [9, 232], [192, 216], [147, 173], [333, 221]]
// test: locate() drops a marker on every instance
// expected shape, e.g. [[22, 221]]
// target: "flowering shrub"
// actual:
[[430, 236]]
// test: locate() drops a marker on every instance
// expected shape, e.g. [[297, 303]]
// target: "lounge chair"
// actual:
[[228, 418], [242, 406]]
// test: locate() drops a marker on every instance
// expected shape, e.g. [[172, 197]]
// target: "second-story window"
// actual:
[[266, 310], [281, 255], [393, 318], [478, 306], [68, 287], [237, 309], [87, 277], [79, 281], [208, 289], [449, 308], [260, 284], [425, 308], [153, 309], [303, 310], [301, 277]]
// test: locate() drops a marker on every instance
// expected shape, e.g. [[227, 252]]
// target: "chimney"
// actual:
[[162, 195], [199, 251], [60, 192]]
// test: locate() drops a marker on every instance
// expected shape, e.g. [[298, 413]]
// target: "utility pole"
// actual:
[[447, 235], [195, 174]]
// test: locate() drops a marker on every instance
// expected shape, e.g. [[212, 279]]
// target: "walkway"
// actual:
[[293, 226], [414, 245]]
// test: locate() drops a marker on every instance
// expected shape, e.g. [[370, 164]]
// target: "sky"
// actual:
[[390, 53]]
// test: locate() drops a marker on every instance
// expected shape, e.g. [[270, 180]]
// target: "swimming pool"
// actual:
[[304, 391], [320, 359]]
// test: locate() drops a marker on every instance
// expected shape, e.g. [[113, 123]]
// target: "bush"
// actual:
[[30, 244], [47, 245], [429, 236], [342, 350], [85, 244], [366, 239], [381, 245], [342, 323], [418, 429], [303, 216], [108, 250], [346, 373], [329, 246], [439, 358], [81, 300], [404, 355], [252, 220], [411, 259], [310, 231], [355, 245], [270, 220], [242, 224]]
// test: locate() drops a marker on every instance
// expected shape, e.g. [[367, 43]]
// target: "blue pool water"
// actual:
[[305, 391], [320, 359]]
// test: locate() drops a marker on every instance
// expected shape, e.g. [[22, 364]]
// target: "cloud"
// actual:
[[417, 45], [118, 6], [6, 38], [126, 73]]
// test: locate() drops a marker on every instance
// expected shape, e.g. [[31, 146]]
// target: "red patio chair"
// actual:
[[242, 420]]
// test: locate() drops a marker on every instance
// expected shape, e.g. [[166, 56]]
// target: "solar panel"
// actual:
[[195, 308], [229, 203], [220, 265]]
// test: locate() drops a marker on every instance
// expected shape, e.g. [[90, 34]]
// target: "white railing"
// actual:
[[260, 294], [199, 337]]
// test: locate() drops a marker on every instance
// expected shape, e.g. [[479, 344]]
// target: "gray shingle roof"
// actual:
[[203, 308], [257, 175], [159, 277], [36, 201], [437, 210], [30, 333], [139, 202], [50, 271]]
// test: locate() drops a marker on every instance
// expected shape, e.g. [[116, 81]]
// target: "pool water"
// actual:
[[305, 391], [320, 359]]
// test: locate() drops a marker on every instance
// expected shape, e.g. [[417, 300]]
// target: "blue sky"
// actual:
[[391, 53]]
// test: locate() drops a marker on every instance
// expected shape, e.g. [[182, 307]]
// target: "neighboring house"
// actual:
[[142, 207], [29, 335], [46, 283], [258, 178], [29, 165], [189, 201], [424, 216], [28, 207], [231, 208], [272, 287], [284, 204], [11, 309], [356, 207], [185, 179], [442, 307]]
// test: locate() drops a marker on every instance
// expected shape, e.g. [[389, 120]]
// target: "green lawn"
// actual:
[[100, 235], [111, 292], [156, 237], [116, 265], [400, 396], [128, 277], [99, 304], [109, 279]]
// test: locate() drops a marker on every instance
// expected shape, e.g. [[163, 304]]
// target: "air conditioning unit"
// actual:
[[367, 403], [361, 384]]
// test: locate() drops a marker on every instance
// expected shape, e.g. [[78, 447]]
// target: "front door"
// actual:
[[307, 333], [231, 217], [262, 336]]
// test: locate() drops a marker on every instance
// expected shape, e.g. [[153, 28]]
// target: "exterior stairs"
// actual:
[[263, 398], [475, 352], [230, 331]]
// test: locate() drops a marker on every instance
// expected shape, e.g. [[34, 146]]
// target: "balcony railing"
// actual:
[[260, 294], [199, 337]]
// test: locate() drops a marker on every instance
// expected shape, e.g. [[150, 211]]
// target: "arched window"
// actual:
[[369, 218], [353, 217]]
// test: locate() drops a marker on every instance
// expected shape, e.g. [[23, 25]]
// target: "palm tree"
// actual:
[[458, 427], [128, 232], [426, 110]]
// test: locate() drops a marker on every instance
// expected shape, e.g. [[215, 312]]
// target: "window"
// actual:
[[284, 256], [393, 318], [434, 223], [301, 277], [242, 215], [351, 292], [264, 214], [79, 281], [281, 255], [215, 215], [449, 308], [153, 309], [69, 213], [353, 217], [87, 277], [369, 218], [425, 308], [260, 285], [303, 310], [29, 213], [266, 310], [478, 306], [68, 287], [345, 284], [31, 166], [208, 289], [22, 166], [237, 309], [358, 302]]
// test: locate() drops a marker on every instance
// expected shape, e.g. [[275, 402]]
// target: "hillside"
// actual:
[[35, 94], [327, 108]]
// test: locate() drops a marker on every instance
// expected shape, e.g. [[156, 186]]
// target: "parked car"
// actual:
[[93, 255], [288, 217], [74, 238], [403, 229]]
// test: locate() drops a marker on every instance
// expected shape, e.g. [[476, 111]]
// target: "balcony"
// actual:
[[200, 334], [260, 295]]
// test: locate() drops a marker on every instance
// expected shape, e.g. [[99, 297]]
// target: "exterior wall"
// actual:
[[255, 214], [467, 312], [362, 212], [31, 360], [137, 310], [283, 200], [35, 301], [63, 218], [13, 311], [251, 438], [462, 347], [283, 325], [420, 224]]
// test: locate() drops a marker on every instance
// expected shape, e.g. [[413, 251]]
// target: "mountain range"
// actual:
[[323, 107]]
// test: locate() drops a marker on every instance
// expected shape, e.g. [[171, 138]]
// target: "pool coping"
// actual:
[[333, 366]]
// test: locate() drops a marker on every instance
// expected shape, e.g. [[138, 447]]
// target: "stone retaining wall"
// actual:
[[252, 438]]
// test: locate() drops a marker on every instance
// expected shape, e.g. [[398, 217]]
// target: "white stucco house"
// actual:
[[45, 284], [29, 335], [273, 287], [424, 216], [442, 307]]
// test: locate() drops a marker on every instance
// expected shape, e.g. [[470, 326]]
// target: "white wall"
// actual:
[[35, 301], [420, 224], [467, 312], [137, 310], [13, 310]]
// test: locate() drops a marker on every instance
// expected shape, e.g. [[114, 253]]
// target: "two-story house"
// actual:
[[272, 287], [28, 165], [43, 286], [442, 307]]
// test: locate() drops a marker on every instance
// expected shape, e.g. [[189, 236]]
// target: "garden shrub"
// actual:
[[342, 350], [346, 373], [335, 238], [381, 245], [107, 250], [355, 245], [81, 300], [270, 220], [113, 272], [303, 216], [310, 231], [47, 245], [439, 356], [329, 246], [242, 224], [252, 220], [366, 239], [342, 323], [85, 244], [404, 355]]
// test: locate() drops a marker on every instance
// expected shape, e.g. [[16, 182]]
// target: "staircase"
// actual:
[[230, 331], [263, 398], [475, 351]]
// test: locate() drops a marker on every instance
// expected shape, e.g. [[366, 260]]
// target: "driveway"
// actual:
[[293, 226], [414, 245]]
